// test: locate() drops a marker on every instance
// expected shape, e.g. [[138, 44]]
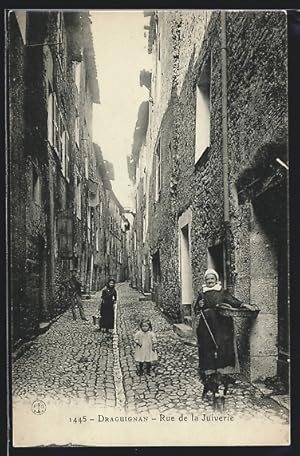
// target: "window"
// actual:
[[63, 153], [89, 224], [144, 181], [77, 128], [97, 240], [158, 71], [65, 159], [54, 121], [144, 228], [86, 81], [36, 186], [61, 42], [61, 129], [77, 71], [56, 125], [57, 133], [158, 170], [86, 167], [50, 115], [68, 164], [203, 108], [78, 198]]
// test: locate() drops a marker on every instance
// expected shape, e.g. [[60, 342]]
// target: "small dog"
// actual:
[[219, 401], [217, 384]]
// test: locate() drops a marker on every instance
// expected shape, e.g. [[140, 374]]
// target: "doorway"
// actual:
[[186, 267], [185, 264], [270, 211], [215, 260]]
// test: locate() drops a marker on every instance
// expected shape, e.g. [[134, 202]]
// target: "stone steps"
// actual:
[[182, 330]]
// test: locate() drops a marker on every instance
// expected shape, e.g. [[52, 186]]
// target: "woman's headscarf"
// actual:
[[217, 286], [211, 271], [110, 280]]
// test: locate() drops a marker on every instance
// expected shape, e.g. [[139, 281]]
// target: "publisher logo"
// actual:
[[38, 407]]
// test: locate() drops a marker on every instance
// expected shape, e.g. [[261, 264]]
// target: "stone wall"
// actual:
[[257, 116], [38, 269], [17, 184]]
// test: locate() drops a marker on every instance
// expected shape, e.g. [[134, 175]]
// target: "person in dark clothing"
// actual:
[[218, 357], [75, 292], [107, 306]]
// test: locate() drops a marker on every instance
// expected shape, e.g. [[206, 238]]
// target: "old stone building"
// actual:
[[98, 202], [138, 167], [86, 93], [212, 164], [116, 242], [59, 187]]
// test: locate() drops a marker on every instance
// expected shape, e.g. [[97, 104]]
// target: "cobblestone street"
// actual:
[[74, 362]]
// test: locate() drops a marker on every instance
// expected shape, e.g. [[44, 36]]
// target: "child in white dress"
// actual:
[[145, 351]]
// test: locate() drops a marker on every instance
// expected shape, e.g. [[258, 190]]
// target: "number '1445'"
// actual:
[[78, 419]]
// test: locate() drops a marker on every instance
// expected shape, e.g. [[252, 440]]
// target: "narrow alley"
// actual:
[[149, 150], [74, 362]]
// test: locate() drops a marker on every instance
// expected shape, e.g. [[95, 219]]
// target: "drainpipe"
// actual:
[[226, 255]]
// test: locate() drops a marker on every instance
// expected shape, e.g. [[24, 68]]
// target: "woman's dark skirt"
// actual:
[[107, 316], [210, 357]]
